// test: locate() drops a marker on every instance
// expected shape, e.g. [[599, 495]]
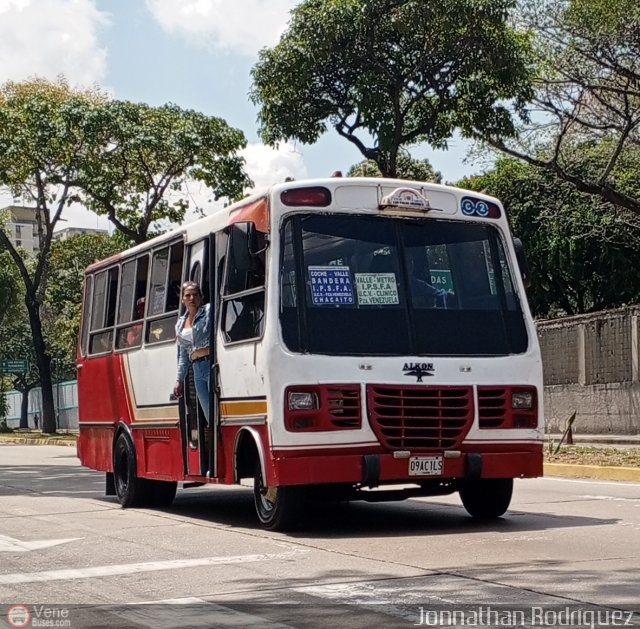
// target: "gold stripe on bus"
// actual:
[[157, 413], [242, 408]]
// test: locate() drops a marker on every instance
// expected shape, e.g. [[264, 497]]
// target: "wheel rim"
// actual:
[[267, 496]]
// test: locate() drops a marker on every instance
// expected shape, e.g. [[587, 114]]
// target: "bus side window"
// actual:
[[86, 311], [163, 299], [243, 290], [103, 312], [131, 306]]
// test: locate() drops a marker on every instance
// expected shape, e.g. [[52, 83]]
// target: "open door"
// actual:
[[200, 432]]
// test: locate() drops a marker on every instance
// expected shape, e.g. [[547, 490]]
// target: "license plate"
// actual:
[[425, 466]]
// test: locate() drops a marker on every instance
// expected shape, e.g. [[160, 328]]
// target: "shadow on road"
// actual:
[[233, 506]]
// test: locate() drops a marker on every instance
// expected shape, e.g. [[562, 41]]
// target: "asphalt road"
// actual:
[[71, 556]]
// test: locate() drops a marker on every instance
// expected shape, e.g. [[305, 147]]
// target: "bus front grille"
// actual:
[[419, 417]]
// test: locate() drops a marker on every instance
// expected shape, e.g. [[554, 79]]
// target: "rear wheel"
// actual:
[[130, 490], [278, 508], [486, 498]]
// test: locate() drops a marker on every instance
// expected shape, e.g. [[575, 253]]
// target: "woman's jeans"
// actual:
[[201, 379]]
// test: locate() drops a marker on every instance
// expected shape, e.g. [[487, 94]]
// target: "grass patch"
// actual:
[[585, 455]]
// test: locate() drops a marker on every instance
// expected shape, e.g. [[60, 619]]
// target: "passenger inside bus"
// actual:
[[134, 333]]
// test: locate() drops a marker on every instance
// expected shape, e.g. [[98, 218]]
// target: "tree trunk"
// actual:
[[43, 361], [24, 408]]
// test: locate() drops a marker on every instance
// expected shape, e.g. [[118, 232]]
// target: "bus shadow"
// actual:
[[234, 507]]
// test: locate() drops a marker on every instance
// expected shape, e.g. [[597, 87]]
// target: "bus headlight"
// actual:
[[522, 400], [302, 401]]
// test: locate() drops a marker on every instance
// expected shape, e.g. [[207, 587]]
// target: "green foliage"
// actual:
[[9, 288], [136, 171], [587, 96], [579, 249], [392, 73], [59, 145], [63, 297], [408, 168]]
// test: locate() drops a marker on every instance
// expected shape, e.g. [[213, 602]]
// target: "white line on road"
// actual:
[[13, 545], [134, 568], [590, 481]]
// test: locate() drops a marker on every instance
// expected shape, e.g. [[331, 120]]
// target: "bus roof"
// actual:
[[220, 217]]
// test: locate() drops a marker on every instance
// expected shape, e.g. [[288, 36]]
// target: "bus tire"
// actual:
[[278, 508], [130, 489], [486, 498], [161, 492]]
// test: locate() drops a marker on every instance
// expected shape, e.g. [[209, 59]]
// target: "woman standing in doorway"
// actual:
[[192, 337]]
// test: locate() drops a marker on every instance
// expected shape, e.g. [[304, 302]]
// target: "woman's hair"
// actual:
[[194, 285]]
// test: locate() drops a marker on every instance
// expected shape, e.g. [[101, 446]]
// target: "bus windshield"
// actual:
[[395, 286]]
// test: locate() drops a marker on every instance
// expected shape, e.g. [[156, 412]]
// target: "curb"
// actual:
[[599, 472], [24, 441]]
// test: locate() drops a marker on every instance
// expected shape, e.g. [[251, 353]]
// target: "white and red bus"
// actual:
[[367, 333]]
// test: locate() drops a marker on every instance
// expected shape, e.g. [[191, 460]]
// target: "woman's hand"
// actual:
[[177, 390]]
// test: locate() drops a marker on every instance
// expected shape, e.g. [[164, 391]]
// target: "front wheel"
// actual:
[[278, 508], [486, 498]]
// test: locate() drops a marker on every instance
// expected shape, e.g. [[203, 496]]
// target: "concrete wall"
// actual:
[[591, 367], [65, 399]]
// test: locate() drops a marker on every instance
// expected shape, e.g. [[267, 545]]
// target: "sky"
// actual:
[[197, 54]]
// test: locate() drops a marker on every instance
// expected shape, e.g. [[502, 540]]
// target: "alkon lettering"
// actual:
[[419, 370]]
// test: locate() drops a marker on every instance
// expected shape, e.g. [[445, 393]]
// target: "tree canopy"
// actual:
[[407, 168], [388, 74], [59, 145], [137, 171], [587, 96], [580, 248]]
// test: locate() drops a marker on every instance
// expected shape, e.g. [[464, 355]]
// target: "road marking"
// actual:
[[171, 614], [13, 545], [590, 481], [134, 568], [612, 498], [392, 600]]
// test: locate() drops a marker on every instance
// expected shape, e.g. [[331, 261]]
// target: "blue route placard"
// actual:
[[331, 286]]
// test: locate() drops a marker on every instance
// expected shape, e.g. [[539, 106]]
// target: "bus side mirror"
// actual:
[[522, 262]]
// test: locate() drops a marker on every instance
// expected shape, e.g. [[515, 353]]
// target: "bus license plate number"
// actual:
[[425, 466]]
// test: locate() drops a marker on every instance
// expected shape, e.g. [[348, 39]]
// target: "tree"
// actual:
[[147, 154], [580, 249], [388, 74], [587, 96], [63, 296], [58, 145], [408, 168]]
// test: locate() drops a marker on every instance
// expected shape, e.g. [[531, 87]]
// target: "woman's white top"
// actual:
[[186, 334]]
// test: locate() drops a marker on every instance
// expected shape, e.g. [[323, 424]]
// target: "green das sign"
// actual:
[[441, 278]]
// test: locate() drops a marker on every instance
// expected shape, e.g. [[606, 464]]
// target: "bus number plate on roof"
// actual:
[[425, 466]]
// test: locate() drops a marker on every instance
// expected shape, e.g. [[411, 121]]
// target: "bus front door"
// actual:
[[199, 441]]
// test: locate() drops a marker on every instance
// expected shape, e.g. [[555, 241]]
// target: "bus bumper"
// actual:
[[371, 470]]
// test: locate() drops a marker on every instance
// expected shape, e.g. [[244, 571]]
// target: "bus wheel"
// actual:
[[130, 490], [161, 492], [278, 508], [486, 498]]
